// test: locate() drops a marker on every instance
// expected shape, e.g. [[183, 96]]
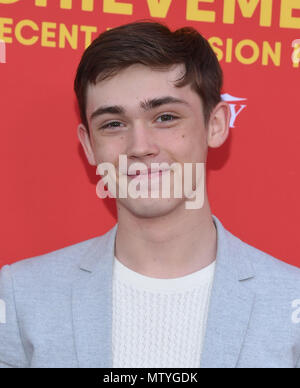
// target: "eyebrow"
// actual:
[[115, 109], [145, 105], [157, 102]]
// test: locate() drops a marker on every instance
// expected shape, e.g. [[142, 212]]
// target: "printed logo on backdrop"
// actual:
[[236, 106], [45, 32]]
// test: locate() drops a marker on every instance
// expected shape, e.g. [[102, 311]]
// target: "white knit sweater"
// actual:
[[159, 323]]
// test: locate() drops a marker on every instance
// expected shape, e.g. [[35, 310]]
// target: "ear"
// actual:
[[84, 138], [218, 127]]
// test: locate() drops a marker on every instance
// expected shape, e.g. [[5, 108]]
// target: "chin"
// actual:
[[151, 207]]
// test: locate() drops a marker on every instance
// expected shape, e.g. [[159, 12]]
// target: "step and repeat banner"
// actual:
[[48, 191]]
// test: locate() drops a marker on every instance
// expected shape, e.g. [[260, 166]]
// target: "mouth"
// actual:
[[148, 174]]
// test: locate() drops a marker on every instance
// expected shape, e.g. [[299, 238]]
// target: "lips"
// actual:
[[149, 172]]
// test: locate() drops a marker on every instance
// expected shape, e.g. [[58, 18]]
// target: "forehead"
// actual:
[[137, 83]]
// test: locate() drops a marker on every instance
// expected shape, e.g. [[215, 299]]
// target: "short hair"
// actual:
[[154, 45]]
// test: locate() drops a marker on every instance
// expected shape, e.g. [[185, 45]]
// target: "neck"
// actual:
[[169, 246]]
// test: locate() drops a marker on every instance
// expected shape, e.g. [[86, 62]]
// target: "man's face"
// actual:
[[145, 116]]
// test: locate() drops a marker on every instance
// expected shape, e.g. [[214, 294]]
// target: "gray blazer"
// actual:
[[59, 308]]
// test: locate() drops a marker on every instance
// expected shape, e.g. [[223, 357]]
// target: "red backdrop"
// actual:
[[48, 198]]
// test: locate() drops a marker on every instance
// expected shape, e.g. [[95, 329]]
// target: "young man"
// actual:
[[168, 286]]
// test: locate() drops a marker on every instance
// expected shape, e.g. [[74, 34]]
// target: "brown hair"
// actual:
[[151, 44]]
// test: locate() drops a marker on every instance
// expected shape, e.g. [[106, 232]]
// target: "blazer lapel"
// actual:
[[92, 303], [230, 305], [228, 317]]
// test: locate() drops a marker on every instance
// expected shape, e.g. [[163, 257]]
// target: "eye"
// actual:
[[166, 117], [112, 124]]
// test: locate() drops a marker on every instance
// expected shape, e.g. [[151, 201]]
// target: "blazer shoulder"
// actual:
[[63, 260], [264, 264]]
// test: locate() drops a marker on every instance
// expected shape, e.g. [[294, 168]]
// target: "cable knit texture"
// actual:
[[159, 323]]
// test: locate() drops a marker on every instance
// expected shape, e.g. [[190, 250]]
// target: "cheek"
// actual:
[[108, 150], [189, 147]]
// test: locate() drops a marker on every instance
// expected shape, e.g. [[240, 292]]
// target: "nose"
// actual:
[[141, 142]]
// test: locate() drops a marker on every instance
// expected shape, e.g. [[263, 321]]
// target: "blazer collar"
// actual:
[[231, 302], [229, 254], [229, 311], [92, 303]]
